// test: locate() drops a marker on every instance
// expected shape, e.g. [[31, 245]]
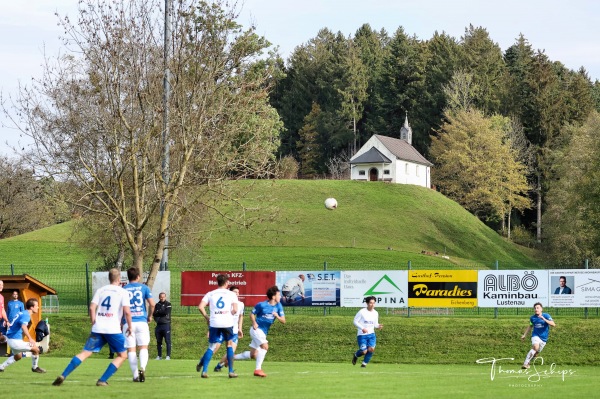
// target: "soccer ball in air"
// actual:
[[330, 203]]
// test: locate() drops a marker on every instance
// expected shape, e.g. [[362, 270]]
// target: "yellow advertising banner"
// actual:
[[442, 288]]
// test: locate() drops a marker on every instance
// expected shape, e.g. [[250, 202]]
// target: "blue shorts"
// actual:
[[366, 341], [235, 338], [96, 341], [2, 328], [217, 335]]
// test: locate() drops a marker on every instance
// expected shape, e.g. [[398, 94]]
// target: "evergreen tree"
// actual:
[[353, 89], [309, 150], [483, 59]]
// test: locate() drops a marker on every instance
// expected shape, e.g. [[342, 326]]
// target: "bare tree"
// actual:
[[96, 114], [339, 166]]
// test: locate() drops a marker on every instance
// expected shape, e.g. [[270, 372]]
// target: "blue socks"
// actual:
[[206, 359], [368, 357], [230, 358], [75, 362], [110, 370]]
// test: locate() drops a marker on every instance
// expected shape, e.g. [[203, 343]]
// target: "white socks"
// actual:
[[242, 356], [260, 357], [530, 355], [143, 358], [7, 362], [132, 357]]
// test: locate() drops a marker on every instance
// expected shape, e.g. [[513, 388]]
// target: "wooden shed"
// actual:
[[28, 287]]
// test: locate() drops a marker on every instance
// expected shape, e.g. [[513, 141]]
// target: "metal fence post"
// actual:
[[87, 285], [496, 309], [585, 310], [12, 269], [325, 307], [244, 266], [408, 310]]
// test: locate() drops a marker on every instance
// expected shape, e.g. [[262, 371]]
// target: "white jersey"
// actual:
[[236, 317], [366, 319], [220, 302], [110, 299]]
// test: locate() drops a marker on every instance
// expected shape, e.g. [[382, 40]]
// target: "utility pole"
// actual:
[[166, 146]]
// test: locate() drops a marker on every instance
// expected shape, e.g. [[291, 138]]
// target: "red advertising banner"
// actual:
[[253, 285]]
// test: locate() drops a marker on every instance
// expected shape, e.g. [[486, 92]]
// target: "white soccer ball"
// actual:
[[330, 203]]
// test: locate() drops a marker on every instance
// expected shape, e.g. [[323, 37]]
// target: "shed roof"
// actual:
[[371, 156], [402, 150]]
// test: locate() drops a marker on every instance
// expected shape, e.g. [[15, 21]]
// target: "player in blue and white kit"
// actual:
[[238, 325], [18, 326], [139, 294], [540, 322], [366, 321], [14, 306], [263, 316], [108, 306], [223, 306]]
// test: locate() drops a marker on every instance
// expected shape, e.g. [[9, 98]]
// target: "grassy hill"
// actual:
[[375, 225]]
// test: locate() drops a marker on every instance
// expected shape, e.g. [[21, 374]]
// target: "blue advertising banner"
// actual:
[[309, 288]]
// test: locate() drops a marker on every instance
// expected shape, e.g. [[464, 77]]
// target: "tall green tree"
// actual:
[[313, 76], [476, 166], [309, 149], [402, 84], [482, 58], [373, 48], [572, 219], [353, 89]]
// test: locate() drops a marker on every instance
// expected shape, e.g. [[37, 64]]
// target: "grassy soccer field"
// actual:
[[178, 379]]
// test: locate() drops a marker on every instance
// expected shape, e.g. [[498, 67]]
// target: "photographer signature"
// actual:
[[533, 374]]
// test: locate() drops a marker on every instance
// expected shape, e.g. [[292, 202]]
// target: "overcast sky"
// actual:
[[568, 31]]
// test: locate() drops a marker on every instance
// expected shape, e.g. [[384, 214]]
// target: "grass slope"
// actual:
[[414, 340], [376, 225]]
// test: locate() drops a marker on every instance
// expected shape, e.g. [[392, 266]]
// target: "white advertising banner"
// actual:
[[512, 288], [161, 284], [390, 287], [577, 288]]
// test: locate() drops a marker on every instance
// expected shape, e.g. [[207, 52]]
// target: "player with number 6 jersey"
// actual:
[[223, 305]]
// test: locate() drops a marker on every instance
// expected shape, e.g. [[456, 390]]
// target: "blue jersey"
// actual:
[[263, 311], [14, 307], [15, 331], [540, 327], [138, 294]]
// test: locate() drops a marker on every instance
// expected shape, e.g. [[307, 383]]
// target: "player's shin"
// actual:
[[230, 357]]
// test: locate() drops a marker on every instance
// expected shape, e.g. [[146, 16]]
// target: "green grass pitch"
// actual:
[[178, 379]]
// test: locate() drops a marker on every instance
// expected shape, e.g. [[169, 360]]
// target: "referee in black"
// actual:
[[162, 317]]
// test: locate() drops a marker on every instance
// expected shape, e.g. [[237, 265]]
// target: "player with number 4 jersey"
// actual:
[[108, 306]]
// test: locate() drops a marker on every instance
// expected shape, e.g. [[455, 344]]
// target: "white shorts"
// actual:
[[18, 345], [258, 338], [140, 336], [537, 340]]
